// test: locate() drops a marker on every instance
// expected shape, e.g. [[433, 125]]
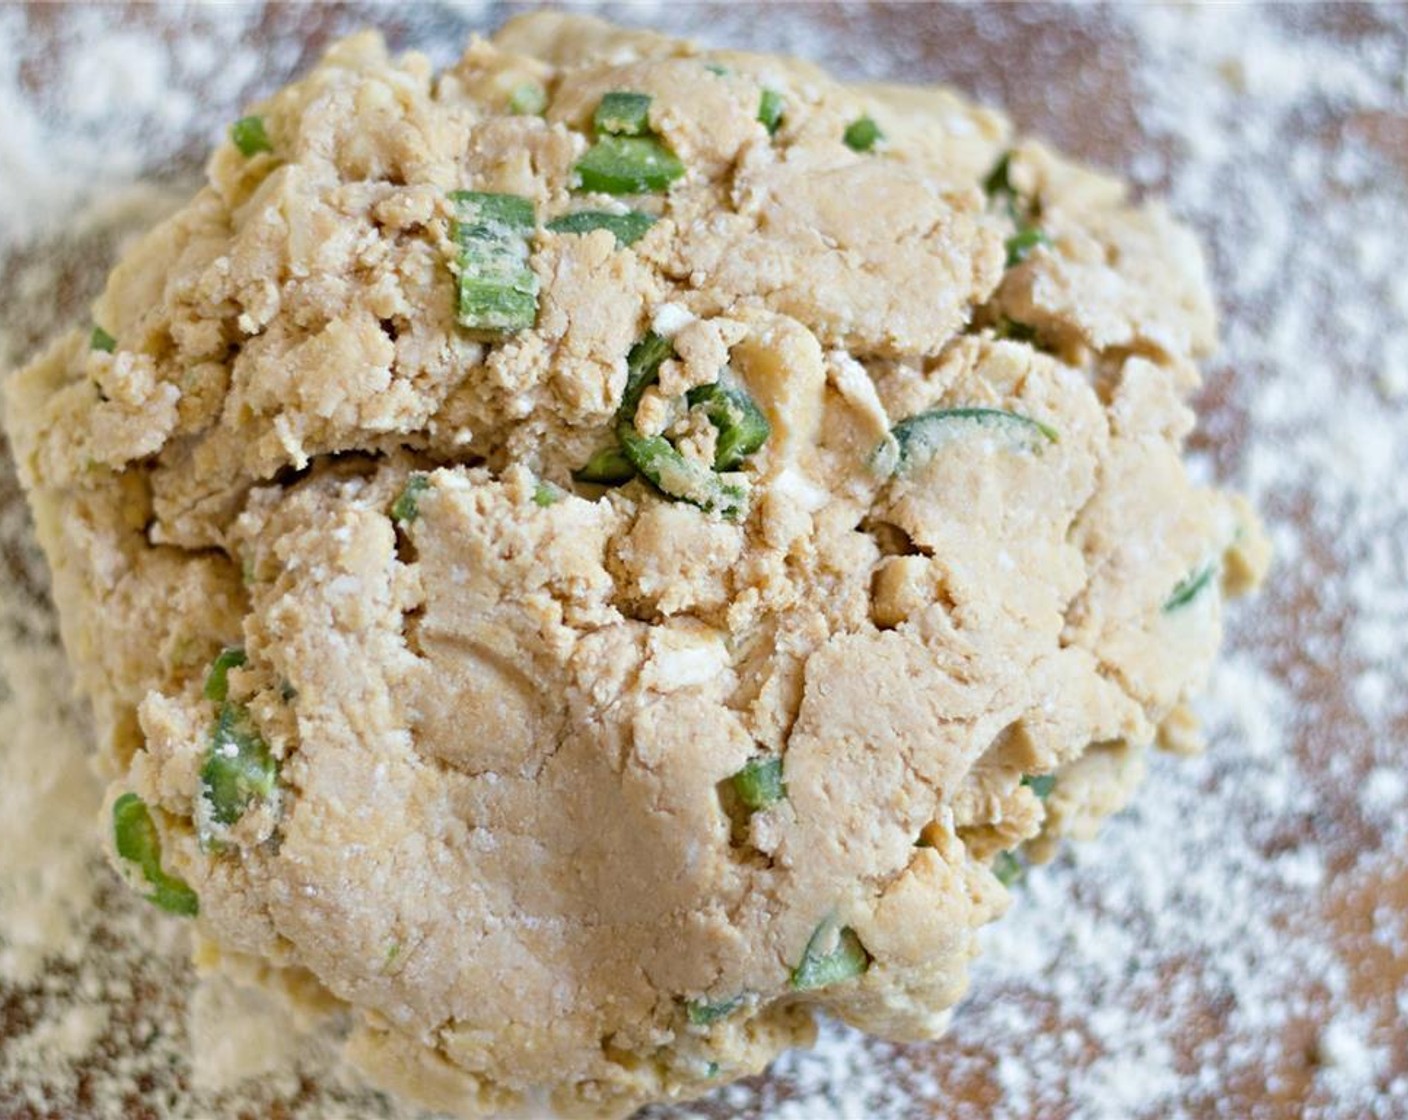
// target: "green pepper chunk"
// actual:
[[623, 113], [528, 99], [1040, 784], [1021, 244], [999, 179], [406, 508], [608, 467], [1190, 587], [546, 494], [498, 291], [658, 461], [919, 436], [217, 683], [700, 1013], [770, 110], [655, 457], [862, 135], [1008, 868], [759, 784], [101, 340], [249, 136], [741, 425], [628, 228], [998, 186], [136, 839], [239, 767], [628, 165], [824, 963], [642, 369]]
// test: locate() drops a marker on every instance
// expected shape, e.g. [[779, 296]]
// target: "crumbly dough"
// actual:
[[505, 729]]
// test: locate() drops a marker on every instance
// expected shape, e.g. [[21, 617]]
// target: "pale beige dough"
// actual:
[[505, 729]]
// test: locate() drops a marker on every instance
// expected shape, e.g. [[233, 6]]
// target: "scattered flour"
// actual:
[[1236, 945]]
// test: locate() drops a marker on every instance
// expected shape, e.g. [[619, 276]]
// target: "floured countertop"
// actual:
[[1234, 945]]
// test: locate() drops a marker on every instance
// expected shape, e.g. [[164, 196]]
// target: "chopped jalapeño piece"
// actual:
[[628, 228], [830, 957], [742, 427], [628, 165], [770, 108], [137, 841], [623, 113], [701, 1013], [239, 768], [919, 436], [498, 291], [406, 508], [759, 784], [249, 137], [862, 135], [1190, 587], [217, 683], [528, 99]]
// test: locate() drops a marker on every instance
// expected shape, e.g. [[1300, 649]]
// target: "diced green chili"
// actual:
[[546, 494], [498, 291], [741, 425], [999, 179], [608, 467], [918, 436], [628, 165], [239, 767], [217, 683], [820, 968], [862, 135], [1008, 868], [770, 110], [249, 136], [1190, 587], [528, 99], [1040, 784], [759, 784], [701, 1013], [623, 113], [628, 228], [406, 508], [484, 216], [1021, 244], [999, 187], [662, 465], [642, 371], [655, 457], [717, 70], [136, 839], [101, 340]]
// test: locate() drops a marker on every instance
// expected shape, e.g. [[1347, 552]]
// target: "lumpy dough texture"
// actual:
[[503, 828]]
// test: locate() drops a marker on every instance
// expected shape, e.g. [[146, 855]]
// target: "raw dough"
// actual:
[[504, 828]]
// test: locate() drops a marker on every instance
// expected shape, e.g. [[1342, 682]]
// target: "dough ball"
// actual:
[[590, 624]]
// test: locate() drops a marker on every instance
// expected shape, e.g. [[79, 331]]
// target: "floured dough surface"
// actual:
[[504, 726]]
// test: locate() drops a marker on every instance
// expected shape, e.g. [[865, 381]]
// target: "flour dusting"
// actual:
[[1236, 944]]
